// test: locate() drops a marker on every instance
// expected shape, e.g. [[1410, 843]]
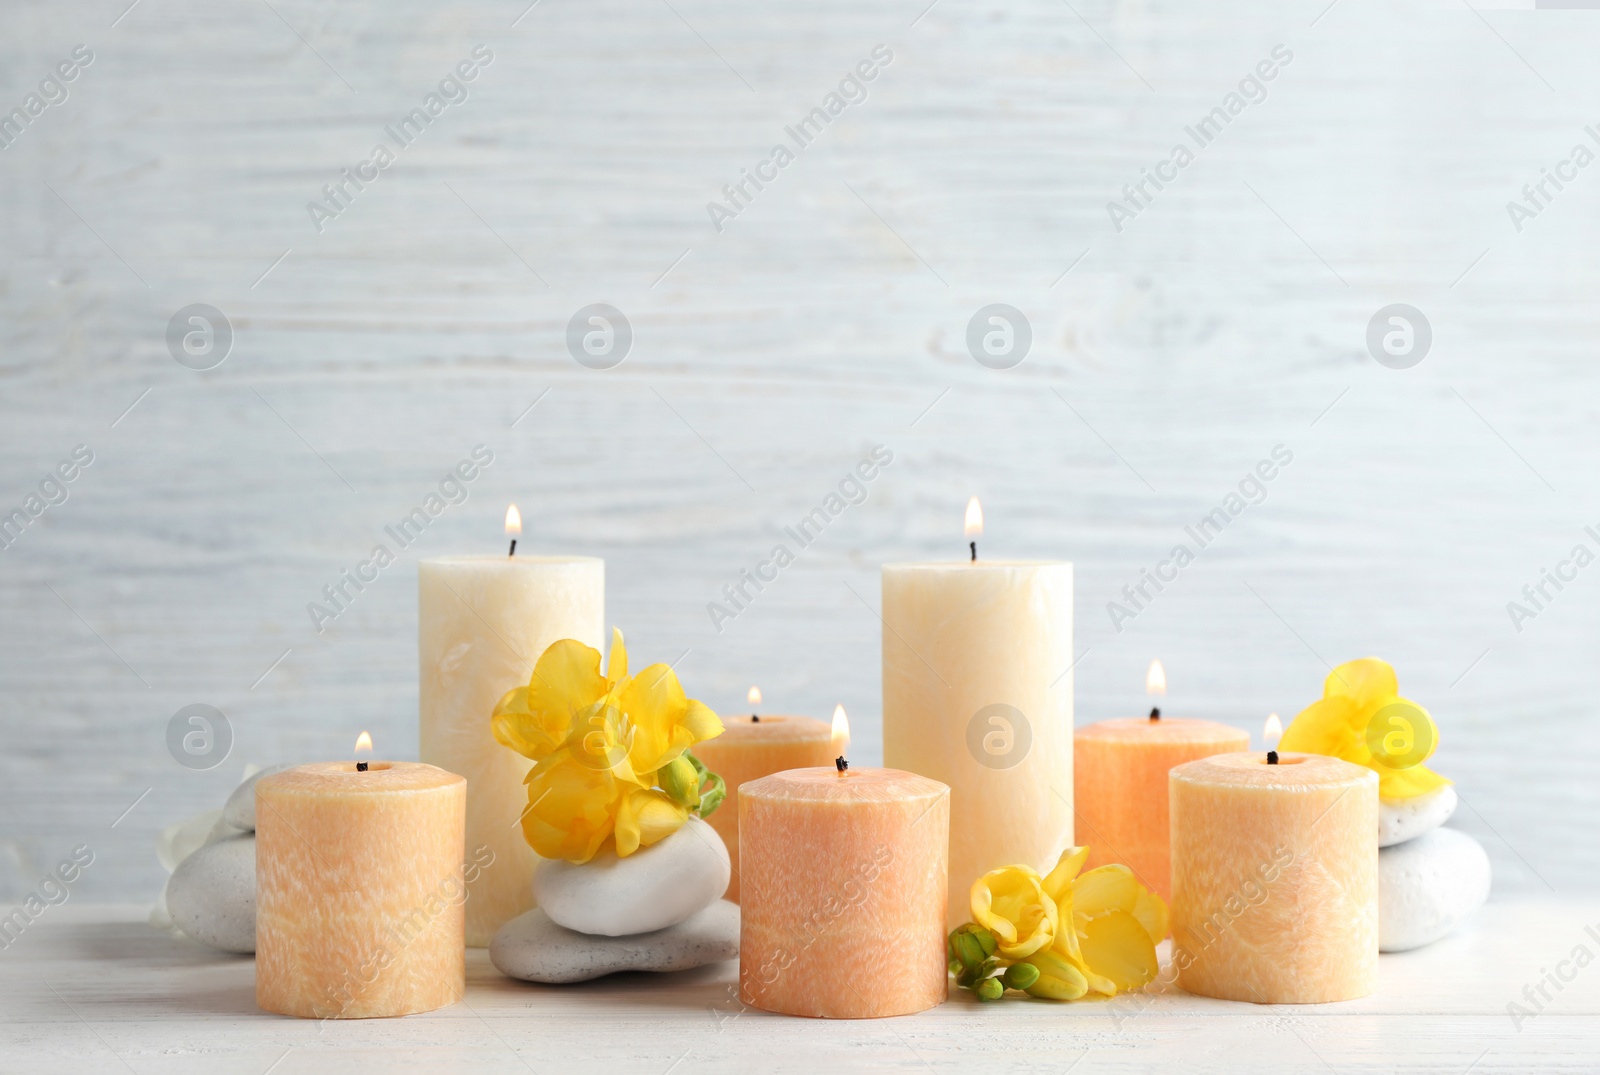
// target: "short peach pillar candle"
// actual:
[[359, 890], [752, 746], [1275, 878], [845, 876], [1120, 774]]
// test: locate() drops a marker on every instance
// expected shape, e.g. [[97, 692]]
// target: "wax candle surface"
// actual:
[[977, 693], [1120, 768], [359, 890], [750, 748], [482, 622], [1275, 878], [845, 878]]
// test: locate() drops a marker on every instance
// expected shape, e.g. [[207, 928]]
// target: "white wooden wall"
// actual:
[[1226, 318]]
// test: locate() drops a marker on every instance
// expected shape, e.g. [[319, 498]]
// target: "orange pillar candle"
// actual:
[[1275, 878], [845, 878], [753, 746], [359, 890], [1120, 771]]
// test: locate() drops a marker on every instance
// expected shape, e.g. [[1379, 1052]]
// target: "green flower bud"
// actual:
[[968, 950], [986, 939], [955, 967], [713, 789], [972, 977], [1021, 976], [680, 781], [990, 989]]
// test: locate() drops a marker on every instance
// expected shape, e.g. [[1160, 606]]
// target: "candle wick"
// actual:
[[840, 764], [361, 766], [973, 545], [1155, 712], [1272, 757], [754, 719], [513, 551]]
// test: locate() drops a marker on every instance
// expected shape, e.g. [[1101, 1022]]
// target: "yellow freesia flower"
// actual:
[[1011, 903], [598, 742], [1361, 702]]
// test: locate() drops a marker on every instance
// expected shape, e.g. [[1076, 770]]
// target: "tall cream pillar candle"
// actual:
[[977, 694], [482, 622]]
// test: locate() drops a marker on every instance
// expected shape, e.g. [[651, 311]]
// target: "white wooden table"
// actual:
[[94, 989]]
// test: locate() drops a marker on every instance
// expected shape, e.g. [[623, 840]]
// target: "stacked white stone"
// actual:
[[659, 909], [1430, 878], [211, 895]]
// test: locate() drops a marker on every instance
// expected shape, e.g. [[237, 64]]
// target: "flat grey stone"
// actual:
[[211, 896], [1429, 886], [535, 949], [1400, 820], [240, 810], [653, 888]]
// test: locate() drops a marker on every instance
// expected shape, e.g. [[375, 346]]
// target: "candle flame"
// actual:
[[513, 521], [1273, 731], [1155, 680], [841, 732], [974, 525], [363, 743], [753, 696]]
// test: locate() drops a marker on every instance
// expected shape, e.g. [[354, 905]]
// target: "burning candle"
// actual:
[[753, 745], [1275, 877], [359, 889], [845, 875], [977, 694], [1120, 771], [482, 622]]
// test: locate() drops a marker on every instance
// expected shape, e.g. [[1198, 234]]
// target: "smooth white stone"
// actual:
[[1428, 886], [211, 896], [240, 811], [651, 889], [1400, 820], [535, 949]]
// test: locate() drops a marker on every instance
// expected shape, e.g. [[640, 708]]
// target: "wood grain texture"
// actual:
[[1228, 317], [98, 991]]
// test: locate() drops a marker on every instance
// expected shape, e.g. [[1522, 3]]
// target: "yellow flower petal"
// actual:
[[571, 808], [1408, 783], [513, 725], [617, 663], [1119, 953], [1105, 888], [1066, 868], [645, 817], [535, 720], [1333, 726], [659, 712], [1058, 978], [701, 722], [1151, 911], [1367, 682], [1010, 903], [1399, 732]]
